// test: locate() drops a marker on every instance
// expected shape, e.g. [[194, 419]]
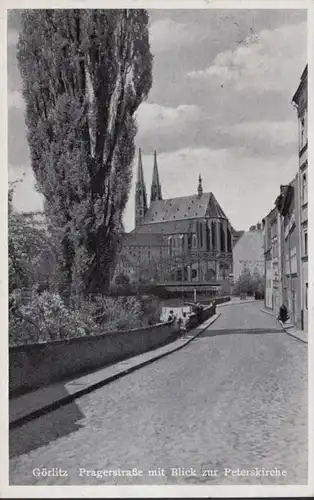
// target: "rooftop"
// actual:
[[184, 207]]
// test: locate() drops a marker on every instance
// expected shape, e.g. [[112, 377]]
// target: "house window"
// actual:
[[293, 261], [287, 267], [302, 132], [304, 186], [305, 243]]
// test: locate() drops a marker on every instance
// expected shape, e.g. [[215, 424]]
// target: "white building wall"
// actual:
[[248, 253], [269, 285]]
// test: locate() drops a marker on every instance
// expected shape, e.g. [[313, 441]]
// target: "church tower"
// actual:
[[140, 193], [155, 193]]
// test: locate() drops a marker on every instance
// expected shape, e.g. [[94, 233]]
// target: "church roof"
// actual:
[[146, 238], [184, 207], [165, 228]]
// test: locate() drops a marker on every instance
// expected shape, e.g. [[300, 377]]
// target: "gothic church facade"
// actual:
[[182, 240]]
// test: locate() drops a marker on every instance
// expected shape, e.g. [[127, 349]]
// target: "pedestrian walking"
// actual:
[[199, 313], [184, 324], [171, 317]]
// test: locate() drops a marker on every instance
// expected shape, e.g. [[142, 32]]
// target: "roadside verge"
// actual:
[[37, 403]]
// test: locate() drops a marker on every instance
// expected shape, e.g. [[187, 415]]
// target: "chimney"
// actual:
[[258, 226]]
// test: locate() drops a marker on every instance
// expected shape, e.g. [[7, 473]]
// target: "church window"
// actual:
[[169, 245], [194, 241], [229, 244], [189, 241], [213, 235], [201, 234], [222, 237], [208, 238], [182, 243]]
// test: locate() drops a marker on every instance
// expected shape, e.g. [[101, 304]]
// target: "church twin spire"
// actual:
[[140, 192], [155, 193], [141, 206]]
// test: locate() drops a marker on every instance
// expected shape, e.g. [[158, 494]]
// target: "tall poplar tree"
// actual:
[[84, 74]]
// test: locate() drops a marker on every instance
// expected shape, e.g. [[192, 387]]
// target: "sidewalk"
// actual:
[[34, 404], [289, 328]]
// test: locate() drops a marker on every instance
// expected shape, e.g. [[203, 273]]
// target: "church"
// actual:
[[180, 241]]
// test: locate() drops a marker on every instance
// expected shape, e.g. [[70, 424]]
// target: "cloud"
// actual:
[[15, 99], [267, 133], [166, 34], [245, 186], [156, 119], [267, 62]]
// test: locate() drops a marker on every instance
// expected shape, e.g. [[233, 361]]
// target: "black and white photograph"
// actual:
[[158, 281]]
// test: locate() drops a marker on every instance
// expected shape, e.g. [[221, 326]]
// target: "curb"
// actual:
[[267, 312], [291, 334], [82, 392], [283, 328]]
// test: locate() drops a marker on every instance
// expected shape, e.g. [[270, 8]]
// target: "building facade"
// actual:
[[282, 253], [187, 239], [300, 101], [288, 204], [248, 252], [271, 280]]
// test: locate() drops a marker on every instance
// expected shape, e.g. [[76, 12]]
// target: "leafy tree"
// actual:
[[31, 253], [249, 283], [84, 75], [244, 282], [258, 282]]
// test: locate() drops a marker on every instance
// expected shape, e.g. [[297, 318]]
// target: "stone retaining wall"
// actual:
[[37, 365]]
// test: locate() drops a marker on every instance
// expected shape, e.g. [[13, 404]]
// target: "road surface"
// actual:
[[233, 399]]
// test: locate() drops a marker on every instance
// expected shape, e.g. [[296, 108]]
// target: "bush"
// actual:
[[43, 317]]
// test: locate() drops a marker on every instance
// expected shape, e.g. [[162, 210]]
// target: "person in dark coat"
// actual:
[[171, 317], [283, 314]]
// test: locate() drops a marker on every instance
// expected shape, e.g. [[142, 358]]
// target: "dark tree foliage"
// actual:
[[84, 74]]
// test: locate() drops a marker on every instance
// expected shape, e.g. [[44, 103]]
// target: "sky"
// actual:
[[220, 106]]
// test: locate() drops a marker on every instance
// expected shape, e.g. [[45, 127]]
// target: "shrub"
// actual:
[[43, 317]]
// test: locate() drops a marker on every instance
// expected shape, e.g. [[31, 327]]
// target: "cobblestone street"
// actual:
[[235, 397]]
